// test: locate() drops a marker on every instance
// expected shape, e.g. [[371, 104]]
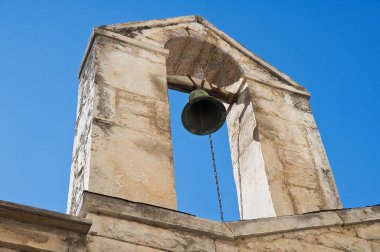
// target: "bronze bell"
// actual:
[[203, 114]]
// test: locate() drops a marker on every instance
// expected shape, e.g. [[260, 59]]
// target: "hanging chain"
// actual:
[[239, 175], [216, 178]]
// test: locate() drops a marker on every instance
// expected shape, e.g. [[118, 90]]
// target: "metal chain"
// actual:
[[216, 178], [239, 175]]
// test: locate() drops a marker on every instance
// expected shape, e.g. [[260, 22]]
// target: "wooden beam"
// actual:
[[183, 84]]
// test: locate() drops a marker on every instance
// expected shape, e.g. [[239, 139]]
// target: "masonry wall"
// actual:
[[360, 238], [139, 227], [24, 228], [122, 145], [112, 224], [132, 236], [120, 224], [80, 163], [298, 170]]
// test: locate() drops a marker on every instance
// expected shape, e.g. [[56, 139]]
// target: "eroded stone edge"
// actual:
[[44, 217], [167, 218], [152, 215]]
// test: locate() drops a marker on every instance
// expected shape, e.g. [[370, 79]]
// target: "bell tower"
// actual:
[[122, 145]]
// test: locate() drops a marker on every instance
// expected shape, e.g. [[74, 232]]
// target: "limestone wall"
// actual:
[[358, 238], [112, 224], [131, 153], [122, 143], [135, 227], [299, 174], [24, 228], [82, 139]]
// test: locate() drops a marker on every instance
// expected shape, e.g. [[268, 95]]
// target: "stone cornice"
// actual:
[[152, 215], [154, 23], [42, 217], [275, 84], [167, 218]]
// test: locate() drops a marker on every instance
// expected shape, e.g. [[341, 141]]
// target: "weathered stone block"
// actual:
[[123, 144], [358, 215], [279, 225], [301, 177], [304, 199], [344, 242], [149, 236], [24, 228], [225, 246], [284, 245], [98, 243], [369, 231], [3, 249], [375, 245], [105, 103], [131, 69], [131, 164]]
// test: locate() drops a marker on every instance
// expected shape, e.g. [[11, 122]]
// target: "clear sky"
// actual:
[[330, 47]]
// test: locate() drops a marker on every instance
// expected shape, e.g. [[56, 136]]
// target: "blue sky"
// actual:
[[330, 47]]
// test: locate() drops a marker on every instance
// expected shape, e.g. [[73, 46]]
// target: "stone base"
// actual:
[[121, 225]]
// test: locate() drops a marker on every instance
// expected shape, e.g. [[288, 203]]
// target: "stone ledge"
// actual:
[[313, 220], [167, 218], [275, 84], [360, 215], [152, 215], [152, 23], [267, 226], [41, 217], [131, 41]]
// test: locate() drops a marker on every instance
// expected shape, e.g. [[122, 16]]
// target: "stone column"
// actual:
[[251, 180], [122, 145], [280, 165]]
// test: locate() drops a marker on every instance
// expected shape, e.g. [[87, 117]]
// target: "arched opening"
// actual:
[[202, 60], [194, 175]]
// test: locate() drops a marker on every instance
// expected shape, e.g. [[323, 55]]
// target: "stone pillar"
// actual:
[[251, 180], [122, 145], [280, 165]]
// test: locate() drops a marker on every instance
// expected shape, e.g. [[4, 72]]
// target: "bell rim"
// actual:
[[214, 129]]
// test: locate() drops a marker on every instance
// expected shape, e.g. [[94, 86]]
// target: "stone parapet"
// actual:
[[168, 218], [42, 217], [113, 224], [145, 227], [152, 215], [25, 228]]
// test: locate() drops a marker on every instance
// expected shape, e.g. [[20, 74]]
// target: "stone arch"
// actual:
[[202, 60], [163, 32]]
